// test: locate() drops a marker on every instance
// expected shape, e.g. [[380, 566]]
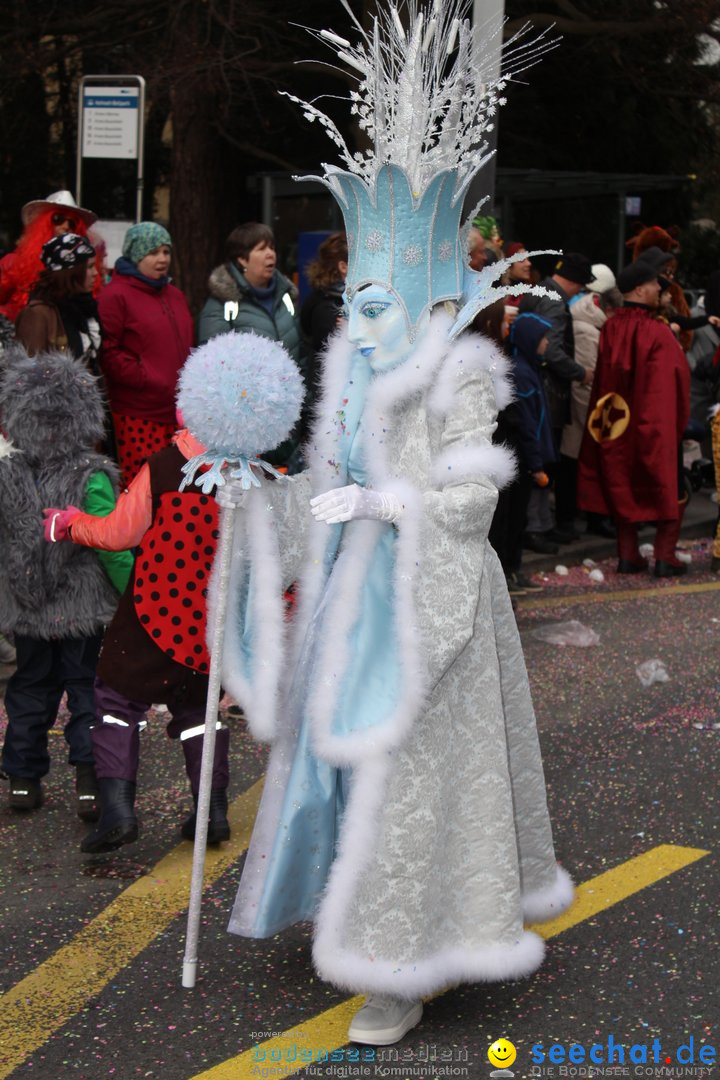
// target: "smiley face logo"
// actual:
[[502, 1053]]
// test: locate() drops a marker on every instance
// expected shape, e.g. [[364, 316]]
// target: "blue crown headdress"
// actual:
[[426, 97]]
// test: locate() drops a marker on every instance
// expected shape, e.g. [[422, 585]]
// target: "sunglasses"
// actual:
[[60, 219]]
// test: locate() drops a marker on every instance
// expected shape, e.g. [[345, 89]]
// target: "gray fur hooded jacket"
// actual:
[[51, 412]]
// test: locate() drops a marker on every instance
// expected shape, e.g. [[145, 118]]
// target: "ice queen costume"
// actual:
[[404, 807]]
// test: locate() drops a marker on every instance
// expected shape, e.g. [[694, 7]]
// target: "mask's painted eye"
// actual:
[[373, 309]]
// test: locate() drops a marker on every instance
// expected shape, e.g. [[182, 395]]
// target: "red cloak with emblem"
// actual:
[[639, 408]]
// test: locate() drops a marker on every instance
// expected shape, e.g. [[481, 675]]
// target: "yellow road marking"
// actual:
[[328, 1030], [525, 603], [601, 892], [47, 998]]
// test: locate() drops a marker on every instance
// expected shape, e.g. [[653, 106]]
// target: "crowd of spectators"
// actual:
[[607, 372], [613, 378]]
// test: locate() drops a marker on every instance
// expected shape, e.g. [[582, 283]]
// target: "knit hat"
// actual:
[[64, 252], [143, 238], [604, 278]]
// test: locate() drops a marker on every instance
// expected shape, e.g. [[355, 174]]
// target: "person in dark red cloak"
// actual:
[[154, 649], [631, 456]]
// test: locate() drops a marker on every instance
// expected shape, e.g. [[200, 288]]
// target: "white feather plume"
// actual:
[[428, 88]]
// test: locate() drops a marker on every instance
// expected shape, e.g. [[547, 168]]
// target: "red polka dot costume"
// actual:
[[173, 568], [155, 649], [137, 438]]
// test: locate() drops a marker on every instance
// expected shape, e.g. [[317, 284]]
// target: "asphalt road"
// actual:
[[92, 948]]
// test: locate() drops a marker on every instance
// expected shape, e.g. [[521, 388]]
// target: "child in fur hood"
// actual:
[[55, 600], [154, 649]]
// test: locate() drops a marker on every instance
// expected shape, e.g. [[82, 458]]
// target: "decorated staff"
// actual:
[[240, 395]]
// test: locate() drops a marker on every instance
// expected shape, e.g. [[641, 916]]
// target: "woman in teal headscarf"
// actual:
[[147, 335]]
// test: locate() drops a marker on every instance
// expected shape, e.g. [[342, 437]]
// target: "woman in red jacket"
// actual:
[[147, 335]]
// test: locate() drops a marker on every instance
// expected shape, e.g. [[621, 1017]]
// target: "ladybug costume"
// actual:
[[155, 649]]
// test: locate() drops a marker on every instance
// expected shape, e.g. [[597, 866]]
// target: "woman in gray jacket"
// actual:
[[248, 292]]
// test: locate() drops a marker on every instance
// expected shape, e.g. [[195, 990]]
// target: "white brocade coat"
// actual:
[[445, 848]]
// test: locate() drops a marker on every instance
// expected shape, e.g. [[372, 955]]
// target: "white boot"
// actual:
[[384, 1020]]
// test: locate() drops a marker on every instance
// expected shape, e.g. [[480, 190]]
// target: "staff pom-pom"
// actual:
[[240, 394]]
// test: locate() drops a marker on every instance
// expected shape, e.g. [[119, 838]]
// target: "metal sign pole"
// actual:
[[111, 125], [141, 152]]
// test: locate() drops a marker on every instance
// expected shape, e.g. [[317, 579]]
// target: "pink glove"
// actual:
[[56, 522]]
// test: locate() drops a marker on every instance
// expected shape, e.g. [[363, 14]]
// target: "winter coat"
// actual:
[[559, 365], [588, 320], [444, 844], [70, 326], [319, 315], [319, 321], [232, 306], [147, 335], [533, 435], [39, 328]]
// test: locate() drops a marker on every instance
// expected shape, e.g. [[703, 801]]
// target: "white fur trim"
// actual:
[[384, 392], [460, 464], [470, 355], [255, 539], [446, 968], [542, 905], [335, 645], [324, 438], [357, 973]]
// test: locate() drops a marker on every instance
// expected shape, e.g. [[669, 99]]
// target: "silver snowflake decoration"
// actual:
[[445, 250], [412, 255], [375, 241]]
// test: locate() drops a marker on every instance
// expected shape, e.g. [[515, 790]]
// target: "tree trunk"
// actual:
[[197, 216]]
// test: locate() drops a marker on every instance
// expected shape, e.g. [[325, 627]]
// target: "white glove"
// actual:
[[232, 495], [347, 503]]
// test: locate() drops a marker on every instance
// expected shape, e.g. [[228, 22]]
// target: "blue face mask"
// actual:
[[378, 329]]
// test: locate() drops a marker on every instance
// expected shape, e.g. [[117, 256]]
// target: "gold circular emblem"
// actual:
[[609, 418]]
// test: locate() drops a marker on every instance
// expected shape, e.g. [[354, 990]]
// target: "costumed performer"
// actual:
[[57, 600], [43, 220], [630, 464], [404, 809], [154, 649]]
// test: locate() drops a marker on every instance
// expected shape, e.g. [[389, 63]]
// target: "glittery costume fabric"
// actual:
[[444, 840]]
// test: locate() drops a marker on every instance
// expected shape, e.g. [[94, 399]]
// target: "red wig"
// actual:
[[23, 267], [652, 236]]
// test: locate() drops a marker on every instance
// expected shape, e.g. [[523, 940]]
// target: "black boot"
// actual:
[[218, 825], [86, 788], [117, 824], [25, 794]]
